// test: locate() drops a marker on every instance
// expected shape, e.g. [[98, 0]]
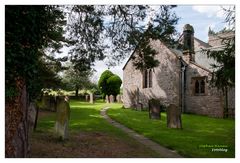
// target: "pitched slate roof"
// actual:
[[179, 53]]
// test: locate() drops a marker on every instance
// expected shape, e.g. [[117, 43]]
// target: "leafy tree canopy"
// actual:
[[74, 79], [114, 83], [109, 83], [29, 30], [92, 32], [224, 70], [118, 30], [102, 82]]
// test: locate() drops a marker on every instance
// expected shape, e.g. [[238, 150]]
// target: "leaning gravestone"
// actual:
[[111, 99], [107, 99], [91, 98], [154, 109], [62, 117], [173, 117]]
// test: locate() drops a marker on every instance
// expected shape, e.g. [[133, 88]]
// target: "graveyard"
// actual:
[[90, 135], [190, 141], [118, 81]]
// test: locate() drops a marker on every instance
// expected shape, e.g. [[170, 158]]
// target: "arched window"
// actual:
[[199, 87], [150, 78]]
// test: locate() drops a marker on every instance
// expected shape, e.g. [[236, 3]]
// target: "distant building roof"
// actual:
[[201, 58]]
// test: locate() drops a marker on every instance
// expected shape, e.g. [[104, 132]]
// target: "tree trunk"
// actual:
[[76, 92], [16, 123]]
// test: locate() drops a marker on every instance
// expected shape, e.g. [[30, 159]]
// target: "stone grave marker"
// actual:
[[111, 99], [154, 109], [91, 98], [49, 103], [107, 99], [173, 117], [87, 98], [62, 117]]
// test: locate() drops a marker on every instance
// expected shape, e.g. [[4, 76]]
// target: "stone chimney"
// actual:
[[188, 43]]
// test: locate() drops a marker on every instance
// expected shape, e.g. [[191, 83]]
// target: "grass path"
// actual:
[[141, 139], [91, 136], [199, 136]]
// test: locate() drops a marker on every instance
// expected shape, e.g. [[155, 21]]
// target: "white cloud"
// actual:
[[211, 11]]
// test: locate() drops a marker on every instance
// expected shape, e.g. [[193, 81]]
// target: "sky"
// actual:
[[201, 17]]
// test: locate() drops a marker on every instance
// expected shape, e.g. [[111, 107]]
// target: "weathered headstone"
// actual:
[[107, 99], [154, 109], [119, 99], [49, 103], [139, 106], [87, 98], [32, 111], [62, 117], [173, 117], [111, 99], [91, 98]]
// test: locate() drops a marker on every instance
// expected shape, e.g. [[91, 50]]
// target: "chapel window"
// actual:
[[150, 78], [147, 78], [199, 85]]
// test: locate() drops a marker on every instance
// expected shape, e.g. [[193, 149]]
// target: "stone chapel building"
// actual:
[[182, 78]]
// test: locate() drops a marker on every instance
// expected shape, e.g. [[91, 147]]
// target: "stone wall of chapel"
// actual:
[[165, 80], [211, 103], [166, 84]]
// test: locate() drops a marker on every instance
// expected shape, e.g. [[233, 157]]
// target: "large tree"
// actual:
[[118, 30], [75, 79], [224, 71], [114, 83], [109, 84], [28, 30], [128, 31]]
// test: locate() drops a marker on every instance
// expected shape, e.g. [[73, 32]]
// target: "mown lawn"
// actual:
[[84, 117], [90, 136], [191, 141]]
